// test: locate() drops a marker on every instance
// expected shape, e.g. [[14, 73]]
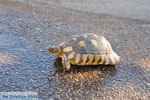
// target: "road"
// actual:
[[26, 33], [137, 9]]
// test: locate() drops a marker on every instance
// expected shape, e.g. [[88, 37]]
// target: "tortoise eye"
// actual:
[[51, 49]]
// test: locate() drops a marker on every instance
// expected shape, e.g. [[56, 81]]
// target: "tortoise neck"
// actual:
[[59, 51]]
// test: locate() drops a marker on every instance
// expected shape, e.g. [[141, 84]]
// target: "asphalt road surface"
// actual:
[[26, 33]]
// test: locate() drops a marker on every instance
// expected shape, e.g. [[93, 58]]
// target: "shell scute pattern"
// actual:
[[89, 49]]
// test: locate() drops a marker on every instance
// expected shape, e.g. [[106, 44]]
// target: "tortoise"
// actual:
[[85, 49]]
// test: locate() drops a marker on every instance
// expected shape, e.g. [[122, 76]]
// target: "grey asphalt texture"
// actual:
[[26, 33]]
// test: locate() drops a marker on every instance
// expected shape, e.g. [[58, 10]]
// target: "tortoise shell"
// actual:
[[89, 49]]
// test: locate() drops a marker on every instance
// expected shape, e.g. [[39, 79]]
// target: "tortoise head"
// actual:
[[56, 50]]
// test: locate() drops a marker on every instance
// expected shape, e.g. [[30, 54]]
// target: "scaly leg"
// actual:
[[66, 64]]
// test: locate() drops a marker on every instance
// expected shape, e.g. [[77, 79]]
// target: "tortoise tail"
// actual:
[[113, 59]]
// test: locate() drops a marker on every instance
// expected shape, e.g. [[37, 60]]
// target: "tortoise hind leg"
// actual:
[[66, 64]]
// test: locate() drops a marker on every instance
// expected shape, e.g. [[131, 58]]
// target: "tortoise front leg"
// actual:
[[66, 64]]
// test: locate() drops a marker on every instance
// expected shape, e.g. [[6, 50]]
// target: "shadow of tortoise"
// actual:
[[85, 74]]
